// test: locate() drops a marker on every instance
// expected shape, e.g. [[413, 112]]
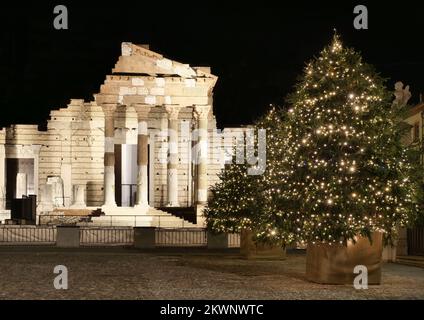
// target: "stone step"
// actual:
[[167, 220], [415, 261], [124, 211], [186, 213], [132, 218], [412, 258], [120, 221]]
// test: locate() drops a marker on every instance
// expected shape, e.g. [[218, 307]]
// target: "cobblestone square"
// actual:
[[27, 273]]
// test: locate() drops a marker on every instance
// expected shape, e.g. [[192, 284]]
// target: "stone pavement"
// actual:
[[27, 273]]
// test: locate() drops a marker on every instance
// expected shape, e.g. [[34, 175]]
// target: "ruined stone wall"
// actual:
[[73, 147], [2, 170], [75, 150], [157, 91]]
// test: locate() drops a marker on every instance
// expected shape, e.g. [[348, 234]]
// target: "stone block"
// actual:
[[217, 241], [145, 237], [4, 215], [68, 237], [79, 191]]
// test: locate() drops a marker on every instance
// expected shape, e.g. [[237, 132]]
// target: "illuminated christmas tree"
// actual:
[[238, 200], [233, 203], [274, 224], [343, 170]]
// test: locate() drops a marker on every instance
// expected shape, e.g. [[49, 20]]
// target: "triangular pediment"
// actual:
[[137, 59]]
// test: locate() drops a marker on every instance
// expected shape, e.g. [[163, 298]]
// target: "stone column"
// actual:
[[2, 177], [66, 163], [201, 113], [142, 156], [173, 112], [109, 158], [46, 198], [36, 151]]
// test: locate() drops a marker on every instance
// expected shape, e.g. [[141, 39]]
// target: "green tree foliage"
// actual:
[[345, 169]]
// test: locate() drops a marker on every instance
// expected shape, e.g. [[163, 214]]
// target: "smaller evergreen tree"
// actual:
[[239, 200], [234, 200]]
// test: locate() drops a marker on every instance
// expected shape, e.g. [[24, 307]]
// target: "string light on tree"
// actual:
[[348, 177], [336, 166]]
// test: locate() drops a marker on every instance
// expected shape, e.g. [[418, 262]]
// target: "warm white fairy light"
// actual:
[[328, 161], [330, 170]]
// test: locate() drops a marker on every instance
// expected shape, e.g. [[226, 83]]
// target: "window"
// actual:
[[416, 132]]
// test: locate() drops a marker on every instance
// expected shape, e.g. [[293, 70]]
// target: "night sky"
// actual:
[[257, 50]]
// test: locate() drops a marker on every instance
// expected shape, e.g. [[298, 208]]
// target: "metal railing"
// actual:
[[102, 236], [106, 236], [27, 235], [161, 221], [181, 237]]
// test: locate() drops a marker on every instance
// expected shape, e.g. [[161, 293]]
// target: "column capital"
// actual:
[[142, 110], [201, 112], [109, 109], [173, 111]]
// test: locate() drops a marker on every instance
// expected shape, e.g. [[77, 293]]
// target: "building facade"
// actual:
[[147, 141]]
